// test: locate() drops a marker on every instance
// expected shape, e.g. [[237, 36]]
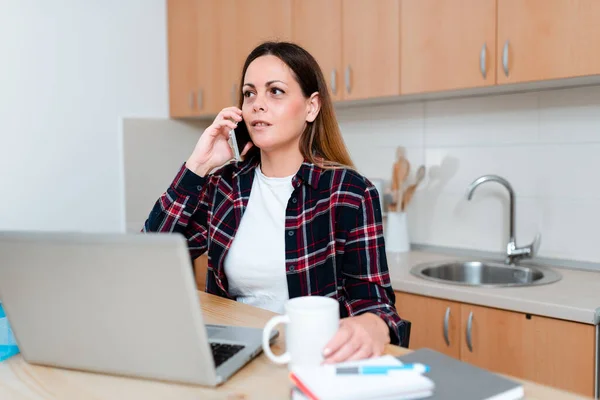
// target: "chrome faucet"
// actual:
[[513, 253]]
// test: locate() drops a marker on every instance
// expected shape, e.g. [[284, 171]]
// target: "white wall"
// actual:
[[69, 71], [547, 144]]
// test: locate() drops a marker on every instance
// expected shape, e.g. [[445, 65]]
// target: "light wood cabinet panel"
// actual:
[[182, 40], [427, 317], [207, 65], [317, 26], [260, 20], [544, 350], [371, 48], [226, 54], [383, 48], [498, 340], [548, 39], [208, 42], [193, 57], [447, 44], [563, 354], [244, 25]]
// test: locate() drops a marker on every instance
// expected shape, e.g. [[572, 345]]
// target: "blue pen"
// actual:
[[380, 369]]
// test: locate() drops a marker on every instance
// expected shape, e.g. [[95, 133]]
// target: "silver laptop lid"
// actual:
[[114, 303]]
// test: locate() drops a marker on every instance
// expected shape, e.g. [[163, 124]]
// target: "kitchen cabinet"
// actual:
[[547, 39], [193, 88], [447, 44], [244, 25], [260, 20], [183, 43], [356, 42], [545, 350], [226, 57], [208, 42], [378, 49], [371, 48], [317, 26], [435, 323]]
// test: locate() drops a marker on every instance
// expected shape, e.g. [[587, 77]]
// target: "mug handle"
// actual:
[[283, 358]]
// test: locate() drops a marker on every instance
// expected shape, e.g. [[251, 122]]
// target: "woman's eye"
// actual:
[[277, 91], [247, 93]]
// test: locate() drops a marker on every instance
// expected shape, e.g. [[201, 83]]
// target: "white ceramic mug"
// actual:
[[311, 321]]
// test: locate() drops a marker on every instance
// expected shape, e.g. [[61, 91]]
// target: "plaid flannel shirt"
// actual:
[[334, 242]]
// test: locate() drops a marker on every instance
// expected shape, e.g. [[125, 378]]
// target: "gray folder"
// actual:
[[455, 379]]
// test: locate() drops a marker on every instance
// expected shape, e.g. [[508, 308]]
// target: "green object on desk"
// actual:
[[8, 345]]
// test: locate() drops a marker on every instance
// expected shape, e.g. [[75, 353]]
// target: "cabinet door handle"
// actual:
[[191, 100], [482, 61], [446, 323], [348, 71], [505, 58], [469, 329], [200, 99], [334, 81]]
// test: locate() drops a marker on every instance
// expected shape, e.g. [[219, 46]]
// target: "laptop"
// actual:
[[115, 303]]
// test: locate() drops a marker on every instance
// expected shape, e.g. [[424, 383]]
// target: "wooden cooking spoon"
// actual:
[[401, 170], [408, 194]]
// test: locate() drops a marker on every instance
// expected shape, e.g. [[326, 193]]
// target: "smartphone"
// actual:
[[239, 137]]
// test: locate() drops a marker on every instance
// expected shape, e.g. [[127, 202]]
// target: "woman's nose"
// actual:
[[259, 103]]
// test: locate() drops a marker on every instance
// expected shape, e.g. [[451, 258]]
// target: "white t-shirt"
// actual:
[[255, 262]]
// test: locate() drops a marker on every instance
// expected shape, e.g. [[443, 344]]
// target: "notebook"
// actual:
[[455, 379], [326, 383]]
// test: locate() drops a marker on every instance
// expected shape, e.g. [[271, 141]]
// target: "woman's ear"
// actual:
[[313, 106]]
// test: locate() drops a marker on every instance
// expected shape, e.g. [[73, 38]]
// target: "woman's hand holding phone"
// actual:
[[213, 149]]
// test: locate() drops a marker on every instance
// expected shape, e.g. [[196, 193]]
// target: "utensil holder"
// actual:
[[396, 232]]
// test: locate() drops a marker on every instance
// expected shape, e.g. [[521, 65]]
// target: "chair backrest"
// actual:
[[406, 339]]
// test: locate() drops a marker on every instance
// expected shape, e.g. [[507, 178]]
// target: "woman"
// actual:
[[293, 218]]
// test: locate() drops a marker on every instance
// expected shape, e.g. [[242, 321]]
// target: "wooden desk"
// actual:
[[260, 379]]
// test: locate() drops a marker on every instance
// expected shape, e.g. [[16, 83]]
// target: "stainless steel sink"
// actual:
[[485, 273]]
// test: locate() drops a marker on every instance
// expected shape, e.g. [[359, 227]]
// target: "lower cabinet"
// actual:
[[544, 350], [435, 323]]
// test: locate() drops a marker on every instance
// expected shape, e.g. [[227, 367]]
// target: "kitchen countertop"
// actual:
[[576, 297]]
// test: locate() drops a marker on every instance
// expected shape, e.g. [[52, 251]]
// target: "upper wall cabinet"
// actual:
[[260, 20], [182, 38], [193, 63], [447, 44], [208, 42], [245, 24], [356, 42], [547, 39], [317, 26], [374, 49], [371, 48]]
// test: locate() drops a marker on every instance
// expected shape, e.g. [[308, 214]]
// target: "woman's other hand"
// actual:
[[212, 149], [357, 338]]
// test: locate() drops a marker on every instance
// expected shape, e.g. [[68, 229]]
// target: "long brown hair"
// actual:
[[321, 142]]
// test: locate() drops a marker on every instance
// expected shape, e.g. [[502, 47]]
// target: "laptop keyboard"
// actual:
[[223, 352]]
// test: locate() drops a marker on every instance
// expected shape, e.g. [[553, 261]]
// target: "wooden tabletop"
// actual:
[[260, 379]]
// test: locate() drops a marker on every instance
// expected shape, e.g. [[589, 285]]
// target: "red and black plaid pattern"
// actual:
[[333, 239]]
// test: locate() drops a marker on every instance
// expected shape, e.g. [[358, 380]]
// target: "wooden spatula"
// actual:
[[401, 170], [408, 194]]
